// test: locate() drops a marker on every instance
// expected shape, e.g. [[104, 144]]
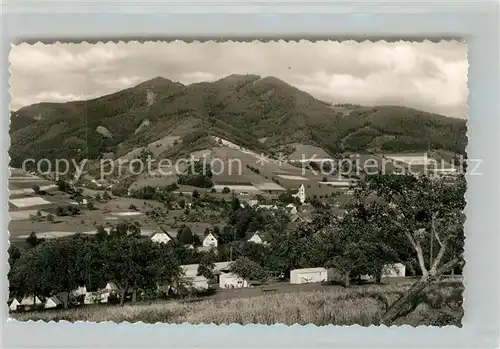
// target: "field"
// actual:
[[106, 214], [361, 305]]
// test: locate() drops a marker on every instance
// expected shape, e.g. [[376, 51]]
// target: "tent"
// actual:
[[52, 302], [14, 304]]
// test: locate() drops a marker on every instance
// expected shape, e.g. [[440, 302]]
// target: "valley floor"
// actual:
[[363, 305]]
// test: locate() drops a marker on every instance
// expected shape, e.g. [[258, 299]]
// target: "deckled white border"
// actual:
[[472, 20]]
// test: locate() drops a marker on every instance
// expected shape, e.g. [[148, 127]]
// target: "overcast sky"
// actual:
[[427, 76]]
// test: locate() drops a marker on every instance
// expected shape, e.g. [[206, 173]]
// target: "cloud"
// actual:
[[428, 76]]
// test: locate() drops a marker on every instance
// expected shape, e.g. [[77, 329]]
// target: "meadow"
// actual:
[[441, 305]]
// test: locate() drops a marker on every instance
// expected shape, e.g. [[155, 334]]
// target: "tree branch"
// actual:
[[440, 242], [421, 261], [438, 259]]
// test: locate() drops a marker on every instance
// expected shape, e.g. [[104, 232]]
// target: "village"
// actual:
[[191, 218]]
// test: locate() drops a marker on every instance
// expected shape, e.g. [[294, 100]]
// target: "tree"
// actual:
[[247, 269], [226, 190], [182, 203], [101, 233], [186, 236], [90, 205], [24, 276], [206, 266], [49, 268], [33, 240], [61, 211], [61, 266], [14, 254], [216, 230], [36, 189], [136, 262], [286, 198], [50, 218], [63, 186], [125, 228], [106, 196], [360, 242], [196, 194], [424, 210]]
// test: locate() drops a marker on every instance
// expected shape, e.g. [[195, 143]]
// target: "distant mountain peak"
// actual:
[[158, 81], [235, 78]]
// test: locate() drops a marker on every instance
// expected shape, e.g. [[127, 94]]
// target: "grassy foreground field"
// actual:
[[440, 306]]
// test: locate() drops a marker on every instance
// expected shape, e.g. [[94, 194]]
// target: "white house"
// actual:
[[291, 208], [52, 302], [230, 280], [252, 202], [254, 237], [308, 275], [161, 238], [84, 202], [210, 240], [394, 270], [301, 194], [14, 304]]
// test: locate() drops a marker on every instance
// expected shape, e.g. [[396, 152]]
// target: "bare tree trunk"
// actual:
[[421, 261], [66, 300], [124, 292], [404, 304], [134, 295], [347, 279]]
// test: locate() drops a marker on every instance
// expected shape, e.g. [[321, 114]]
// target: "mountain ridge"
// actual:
[[242, 108]]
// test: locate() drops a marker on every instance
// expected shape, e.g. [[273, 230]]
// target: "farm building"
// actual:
[[199, 282], [230, 280], [309, 275], [409, 159], [52, 303], [14, 304], [190, 270], [394, 270], [210, 240], [161, 238], [251, 202]]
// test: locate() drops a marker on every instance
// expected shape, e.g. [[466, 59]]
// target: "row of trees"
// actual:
[[123, 256]]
